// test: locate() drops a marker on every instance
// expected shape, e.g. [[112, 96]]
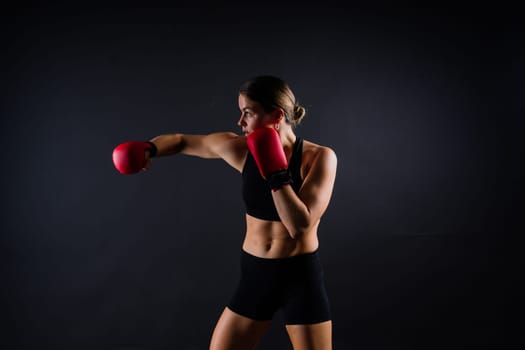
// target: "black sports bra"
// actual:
[[257, 194]]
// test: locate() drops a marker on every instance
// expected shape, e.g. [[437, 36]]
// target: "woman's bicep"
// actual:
[[226, 145], [205, 146], [319, 183]]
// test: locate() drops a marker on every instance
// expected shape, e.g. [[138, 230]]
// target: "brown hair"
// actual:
[[272, 93]]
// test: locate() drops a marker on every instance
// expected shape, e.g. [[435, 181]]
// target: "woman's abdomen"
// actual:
[[270, 239]]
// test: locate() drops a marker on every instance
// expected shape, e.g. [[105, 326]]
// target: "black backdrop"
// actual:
[[413, 101]]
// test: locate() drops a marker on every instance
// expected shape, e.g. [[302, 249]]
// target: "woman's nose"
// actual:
[[240, 122]]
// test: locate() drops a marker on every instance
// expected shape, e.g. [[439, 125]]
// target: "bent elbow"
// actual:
[[299, 230], [296, 234]]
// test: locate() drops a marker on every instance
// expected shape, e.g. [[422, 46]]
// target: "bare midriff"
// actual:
[[271, 240]]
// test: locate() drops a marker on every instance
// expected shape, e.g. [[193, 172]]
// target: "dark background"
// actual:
[[420, 105]]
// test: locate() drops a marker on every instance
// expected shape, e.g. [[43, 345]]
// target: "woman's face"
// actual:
[[253, 115]]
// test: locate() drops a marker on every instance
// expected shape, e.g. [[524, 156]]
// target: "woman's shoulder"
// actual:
[[229, 146], [314, 153], [315, 150]]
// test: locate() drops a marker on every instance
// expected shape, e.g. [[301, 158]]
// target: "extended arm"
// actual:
[[226, 145], [131, 157]]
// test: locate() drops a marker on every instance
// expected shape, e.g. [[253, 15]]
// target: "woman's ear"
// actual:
[[278, 115]]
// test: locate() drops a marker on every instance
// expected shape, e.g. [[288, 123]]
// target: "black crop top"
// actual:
[[257, 194]]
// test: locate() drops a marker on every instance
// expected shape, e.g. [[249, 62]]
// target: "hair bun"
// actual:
[[298, 113]]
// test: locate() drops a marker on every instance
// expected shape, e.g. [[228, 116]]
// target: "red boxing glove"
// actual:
[[130, 157], [265, 146]]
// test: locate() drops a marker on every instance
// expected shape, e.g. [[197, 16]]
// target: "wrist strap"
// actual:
[[279, 179], [152, 149]]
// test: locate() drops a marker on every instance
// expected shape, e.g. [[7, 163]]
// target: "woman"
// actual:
[[287, 186]]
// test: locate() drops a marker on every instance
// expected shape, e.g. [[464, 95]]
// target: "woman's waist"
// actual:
[[278, 244], [271, 239]]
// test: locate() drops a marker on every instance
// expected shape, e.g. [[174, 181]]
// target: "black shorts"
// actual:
[[295, 285]]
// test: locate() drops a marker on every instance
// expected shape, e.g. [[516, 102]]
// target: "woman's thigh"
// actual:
[[234, 331], [312, 336]]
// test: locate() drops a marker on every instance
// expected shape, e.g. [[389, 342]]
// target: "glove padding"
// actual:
[[265, 146], [130, 157]]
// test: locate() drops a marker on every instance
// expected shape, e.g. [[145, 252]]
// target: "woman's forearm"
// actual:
[[168, 144], [294, 214]]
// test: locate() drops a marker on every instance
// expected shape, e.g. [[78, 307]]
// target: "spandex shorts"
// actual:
[[294, 285]]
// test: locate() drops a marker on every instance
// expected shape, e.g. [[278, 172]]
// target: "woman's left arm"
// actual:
[[300, 212]]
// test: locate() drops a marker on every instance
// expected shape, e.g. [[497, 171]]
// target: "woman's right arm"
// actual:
[[226, 145]]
